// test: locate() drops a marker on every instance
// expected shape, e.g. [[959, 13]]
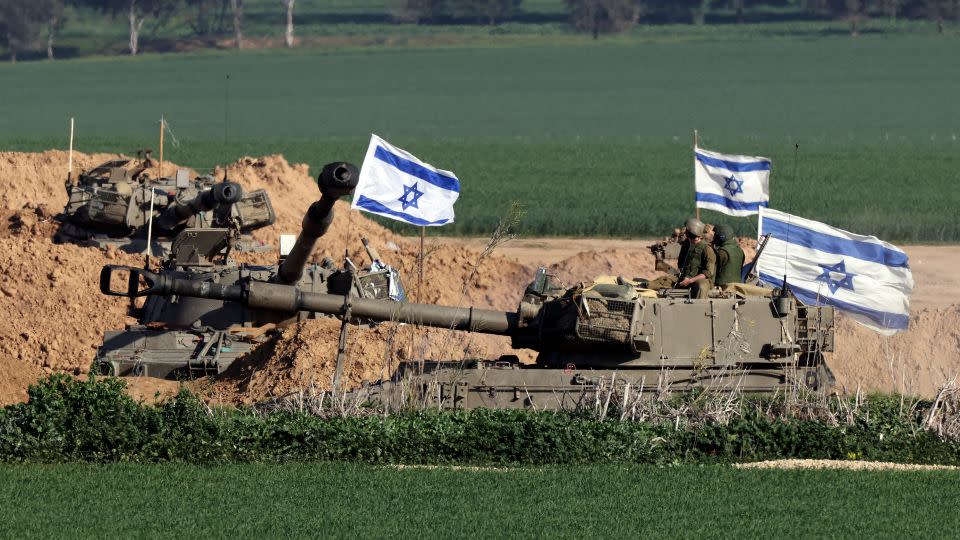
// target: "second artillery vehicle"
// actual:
[[607, 335], [185, 336], [119, 204]]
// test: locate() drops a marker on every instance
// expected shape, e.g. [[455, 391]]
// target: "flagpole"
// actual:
[[423, 231], [160, 165], [70, 155], [696, 144]]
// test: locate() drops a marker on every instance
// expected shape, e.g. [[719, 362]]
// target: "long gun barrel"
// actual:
[[291, 299], [180, 211], [335, 181]]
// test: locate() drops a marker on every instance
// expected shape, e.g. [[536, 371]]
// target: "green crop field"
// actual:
[[592, 137], [356, 501]]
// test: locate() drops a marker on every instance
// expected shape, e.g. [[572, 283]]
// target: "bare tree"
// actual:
[[237, 7], [288, 35], [55, 20], [854, 13], [20, 24], [890, 8], [698, 11], [415, 11], [490, 11], [737, 6], [603, 16], [136, 11]]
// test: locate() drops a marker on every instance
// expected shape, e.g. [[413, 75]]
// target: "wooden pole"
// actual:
[[70, 155], [160, 165], [419, 298], [423, 231], [696, 144]]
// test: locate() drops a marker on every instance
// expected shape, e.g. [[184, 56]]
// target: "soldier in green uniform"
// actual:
[[698, 264], [730, 257]]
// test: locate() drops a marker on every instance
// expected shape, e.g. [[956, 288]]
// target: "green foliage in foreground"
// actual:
[[358, 501], [74, 420]]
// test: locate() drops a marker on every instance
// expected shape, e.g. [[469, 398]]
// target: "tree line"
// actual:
[[29, 24], [603, 16]]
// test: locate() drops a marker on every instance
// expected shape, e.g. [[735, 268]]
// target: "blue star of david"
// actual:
[[733, 185], [829, 271], [410, 196]]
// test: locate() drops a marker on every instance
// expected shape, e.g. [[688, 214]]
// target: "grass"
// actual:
[[594, 138], [342, 500]]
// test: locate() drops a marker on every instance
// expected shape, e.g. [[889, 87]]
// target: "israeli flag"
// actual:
[[734, 185], [395, 184], [867, 278]]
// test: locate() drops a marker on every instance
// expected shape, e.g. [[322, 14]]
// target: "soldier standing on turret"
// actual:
[[730, 257], [698, 264]]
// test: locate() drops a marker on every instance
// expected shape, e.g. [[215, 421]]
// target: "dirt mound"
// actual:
[[54, 313], [304, 357], [587, 265], [57, 316], [917, 361], [37, 178]]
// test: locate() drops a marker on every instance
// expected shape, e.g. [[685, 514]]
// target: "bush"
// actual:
[[69, 419]]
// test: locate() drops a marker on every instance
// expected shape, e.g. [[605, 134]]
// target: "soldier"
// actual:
[[697, 262], [730, 257]]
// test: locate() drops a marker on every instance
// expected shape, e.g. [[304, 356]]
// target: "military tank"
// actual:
[[610, 333], [119, 204], [184, 336]]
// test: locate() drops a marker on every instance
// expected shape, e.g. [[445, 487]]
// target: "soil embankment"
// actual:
[[55, 315]]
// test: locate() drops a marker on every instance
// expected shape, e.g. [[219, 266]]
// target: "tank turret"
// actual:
[[336, 180], [119, 204], [179, 212]]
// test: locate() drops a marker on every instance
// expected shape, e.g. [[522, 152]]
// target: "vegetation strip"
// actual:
[[69, 419]]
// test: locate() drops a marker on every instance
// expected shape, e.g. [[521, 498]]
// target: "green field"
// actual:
[[338, 500], [594, 138]]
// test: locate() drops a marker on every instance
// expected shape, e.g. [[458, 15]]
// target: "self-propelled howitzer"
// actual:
[[119, 204], [588, 337], [196, 334]]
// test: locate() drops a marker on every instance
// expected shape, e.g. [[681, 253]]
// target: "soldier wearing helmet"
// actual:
[[698, 264], [730, 257]]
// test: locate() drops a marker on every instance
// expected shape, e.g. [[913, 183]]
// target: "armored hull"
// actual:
[[505, 384], [118, 204]]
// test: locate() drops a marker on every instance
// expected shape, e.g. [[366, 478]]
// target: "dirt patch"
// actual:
[[49, 295], [151, 391], [844, 465], [915, 362], [304, 356]]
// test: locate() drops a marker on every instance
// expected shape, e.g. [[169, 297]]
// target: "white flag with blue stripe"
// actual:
[[395, 184], [734, 185], [867, 278]]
